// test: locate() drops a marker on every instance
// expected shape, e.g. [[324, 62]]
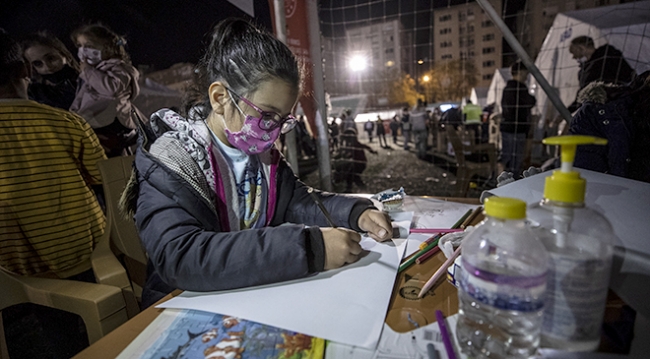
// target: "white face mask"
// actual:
[[582, 60], [91, 56]]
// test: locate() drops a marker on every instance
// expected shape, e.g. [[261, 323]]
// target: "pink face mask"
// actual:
[[257, 135]]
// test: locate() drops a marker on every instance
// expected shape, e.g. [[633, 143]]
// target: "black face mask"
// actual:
[[66, 73]]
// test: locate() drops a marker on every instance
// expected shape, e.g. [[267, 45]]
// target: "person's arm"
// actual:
[[89, 150], [189, 255], [110, 82]]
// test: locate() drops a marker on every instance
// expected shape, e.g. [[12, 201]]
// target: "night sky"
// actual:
[[162, 33], [158, 33]]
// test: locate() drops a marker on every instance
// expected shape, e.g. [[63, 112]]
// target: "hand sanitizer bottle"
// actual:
[[580, 246], [502, 284]]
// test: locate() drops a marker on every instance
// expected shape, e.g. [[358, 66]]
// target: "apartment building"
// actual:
[[465, 32]]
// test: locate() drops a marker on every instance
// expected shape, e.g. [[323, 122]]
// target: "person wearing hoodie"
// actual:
[[216, 205], [54, 70], [107, 86]]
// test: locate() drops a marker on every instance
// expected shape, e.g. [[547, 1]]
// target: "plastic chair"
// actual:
[[116, 172], [466, 168], [103, 306]]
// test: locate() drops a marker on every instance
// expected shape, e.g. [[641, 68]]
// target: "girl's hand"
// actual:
[[377, 224], [341, 247]]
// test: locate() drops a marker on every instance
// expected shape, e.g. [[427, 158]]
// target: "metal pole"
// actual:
[[530, 65], [281, 34], [323, 148]]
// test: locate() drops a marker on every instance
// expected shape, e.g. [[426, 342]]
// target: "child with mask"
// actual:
[[215, 204], [108, 84], [54, 70]]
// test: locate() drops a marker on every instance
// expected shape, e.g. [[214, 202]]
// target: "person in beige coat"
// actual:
[[107, 85]]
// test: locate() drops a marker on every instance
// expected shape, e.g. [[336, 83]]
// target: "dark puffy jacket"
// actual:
[[188, 248], [516, 104], [607, 113]]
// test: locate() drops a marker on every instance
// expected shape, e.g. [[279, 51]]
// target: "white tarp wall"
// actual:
[[495, 91], [479, 96], [625, 26]]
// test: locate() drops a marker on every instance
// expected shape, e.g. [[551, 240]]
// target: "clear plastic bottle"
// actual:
[[580, 246], [502, 284]]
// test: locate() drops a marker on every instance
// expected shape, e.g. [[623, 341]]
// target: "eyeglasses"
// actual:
[[268, 121]]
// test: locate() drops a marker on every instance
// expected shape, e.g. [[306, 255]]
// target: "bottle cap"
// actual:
[[505, 208], [566, 185]]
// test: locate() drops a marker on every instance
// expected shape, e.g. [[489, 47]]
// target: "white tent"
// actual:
[[625, 26], [495, 91], [479, 96]]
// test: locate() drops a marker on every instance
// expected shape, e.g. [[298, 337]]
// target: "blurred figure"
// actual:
[[54, 70], [369, 127], [351, 161], [605, 64], [394, 128], [621, 114], [381, 132], [419, 121], [406, 127], [472, 118], [334, 134], [108, 84], [516, 104], [49, 215]]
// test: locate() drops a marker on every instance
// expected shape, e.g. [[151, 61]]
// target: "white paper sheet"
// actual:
[[347, 305]]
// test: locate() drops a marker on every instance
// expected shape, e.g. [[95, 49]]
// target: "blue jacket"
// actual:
[[184, 229]]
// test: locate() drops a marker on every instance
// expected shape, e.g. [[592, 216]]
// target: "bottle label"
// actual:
[[576, 293], [502, 291]]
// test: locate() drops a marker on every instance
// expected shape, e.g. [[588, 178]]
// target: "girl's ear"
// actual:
[[218, 97]]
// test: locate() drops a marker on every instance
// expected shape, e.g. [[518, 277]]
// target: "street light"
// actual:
[[358, 64]]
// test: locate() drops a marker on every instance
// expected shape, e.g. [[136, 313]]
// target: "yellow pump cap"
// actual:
[[565, 184], [505, 208]]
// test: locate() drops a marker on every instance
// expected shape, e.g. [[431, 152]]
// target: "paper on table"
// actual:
[[347, 305]]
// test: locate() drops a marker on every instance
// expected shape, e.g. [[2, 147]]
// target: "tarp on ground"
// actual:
[[625, 26], [495, 91]]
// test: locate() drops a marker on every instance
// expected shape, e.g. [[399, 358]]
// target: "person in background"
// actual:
[[406, 127], [605, 64], [419, 119], [334, 134], [351, 160], [54, 70], [472, 118], [621, 114], [50, 219], [516, 104], [108, 84], [381, 132], [216, 205], [369, 127], [394, 128]]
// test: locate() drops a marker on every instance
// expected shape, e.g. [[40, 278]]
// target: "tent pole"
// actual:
[[530, 65]]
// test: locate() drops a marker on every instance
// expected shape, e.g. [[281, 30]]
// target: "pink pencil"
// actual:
[[435, 230], [442, 270]]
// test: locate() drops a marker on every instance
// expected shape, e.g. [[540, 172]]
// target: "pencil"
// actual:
[[462, 219], [442, 270], [444, 333], [468, 221], [430, 240], [435, 230], [427, 255], [329, 219]]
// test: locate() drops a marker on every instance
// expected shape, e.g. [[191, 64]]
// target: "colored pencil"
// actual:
[[442, 270], [428, 255], [329, 219], [435, 230], [430, 240], [468, 221], [444, 333]]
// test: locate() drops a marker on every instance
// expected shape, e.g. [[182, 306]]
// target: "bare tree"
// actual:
[[450, 81]]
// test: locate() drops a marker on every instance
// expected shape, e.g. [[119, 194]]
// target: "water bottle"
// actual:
[[502, 284], [579, 242]]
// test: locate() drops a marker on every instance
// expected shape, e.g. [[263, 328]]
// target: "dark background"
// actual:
[[158, 33]]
